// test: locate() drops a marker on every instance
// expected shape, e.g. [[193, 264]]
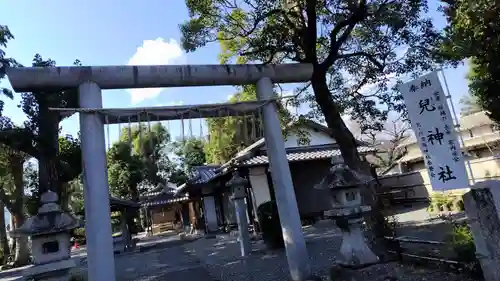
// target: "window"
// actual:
[[50, 247], [350, 196]]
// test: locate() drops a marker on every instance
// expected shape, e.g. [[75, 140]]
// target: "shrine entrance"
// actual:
[[90, 81]]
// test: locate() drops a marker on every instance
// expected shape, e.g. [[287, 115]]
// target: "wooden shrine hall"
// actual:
[[164, 211]]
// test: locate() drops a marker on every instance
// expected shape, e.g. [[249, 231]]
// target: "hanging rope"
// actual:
[[219, 132], [190, 125], [201, 128], [140, 132], [160, 128], [119, 130], [245, 130], [182, 129], [253, 134], [130, 136], [120, 112], [259, 118], [107, 132], [150, 134], [238, 127], [168, 130]]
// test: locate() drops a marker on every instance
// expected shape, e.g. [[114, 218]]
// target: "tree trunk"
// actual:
[[17, 209], [22, 253], [65, 197], [348, 148], [48, 175], [3, 234], [12, 241], [133, 214]]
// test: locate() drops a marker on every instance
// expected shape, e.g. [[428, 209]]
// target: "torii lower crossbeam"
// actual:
[[91, 80]]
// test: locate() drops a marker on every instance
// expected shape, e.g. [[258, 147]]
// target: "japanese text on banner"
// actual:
[[433, 126]]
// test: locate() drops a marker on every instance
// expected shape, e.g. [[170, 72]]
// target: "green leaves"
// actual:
[[473, 32], [190, 153], [125, 170], [228, 135], [5, 36], [354, 46]]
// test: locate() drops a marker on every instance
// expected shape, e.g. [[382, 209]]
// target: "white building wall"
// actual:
[[260, 186]]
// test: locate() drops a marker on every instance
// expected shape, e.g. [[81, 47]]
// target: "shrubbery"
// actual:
[[440, 202], [270, 225], [461, 242]]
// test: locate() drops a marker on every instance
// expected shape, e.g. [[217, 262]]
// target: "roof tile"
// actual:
[[304, 156]]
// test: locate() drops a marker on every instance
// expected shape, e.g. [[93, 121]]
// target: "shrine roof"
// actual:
[[164, 199], [158, 189], [310, 153], [117, 203], [203, 174], [251, 156]]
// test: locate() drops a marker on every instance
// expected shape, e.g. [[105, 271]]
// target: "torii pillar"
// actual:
[[91, 80]]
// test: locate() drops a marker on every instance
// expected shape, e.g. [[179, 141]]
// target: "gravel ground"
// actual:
[[219, 259], [222, 260], [168, 261], [404, 273]]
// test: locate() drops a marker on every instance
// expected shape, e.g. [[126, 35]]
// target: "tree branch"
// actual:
[[19, 139], [368, 56], [310, 32], [5, 198], [347, 25]]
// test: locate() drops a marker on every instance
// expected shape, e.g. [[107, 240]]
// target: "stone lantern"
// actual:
[[344, 185], [238, 189], [50, 240]]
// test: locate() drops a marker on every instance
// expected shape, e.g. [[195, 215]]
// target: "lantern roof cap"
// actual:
[[341, 176], [49, 220]]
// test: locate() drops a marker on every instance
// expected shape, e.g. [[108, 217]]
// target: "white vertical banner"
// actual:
[[432, 123]]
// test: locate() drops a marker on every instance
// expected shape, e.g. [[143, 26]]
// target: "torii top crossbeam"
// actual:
[[26, 79]]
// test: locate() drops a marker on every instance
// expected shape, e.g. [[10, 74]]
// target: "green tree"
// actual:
[[228, 135], [473, 32], [5, 36], [350, 44], [148, 141], [12, 195], [125, 171], [190, 153], [39, 135]]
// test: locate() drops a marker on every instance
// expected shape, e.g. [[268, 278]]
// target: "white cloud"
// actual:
[[170, 103], [154, 52]]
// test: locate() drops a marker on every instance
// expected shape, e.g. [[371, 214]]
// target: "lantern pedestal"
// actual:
[[354, 249], [54, 271]]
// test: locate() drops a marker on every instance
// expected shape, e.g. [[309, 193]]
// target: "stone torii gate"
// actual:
[[91, 80]]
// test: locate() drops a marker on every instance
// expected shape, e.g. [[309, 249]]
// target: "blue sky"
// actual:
[[116, 32]]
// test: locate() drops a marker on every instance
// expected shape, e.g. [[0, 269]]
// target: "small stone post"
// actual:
[[238, 186], [482, 205]]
